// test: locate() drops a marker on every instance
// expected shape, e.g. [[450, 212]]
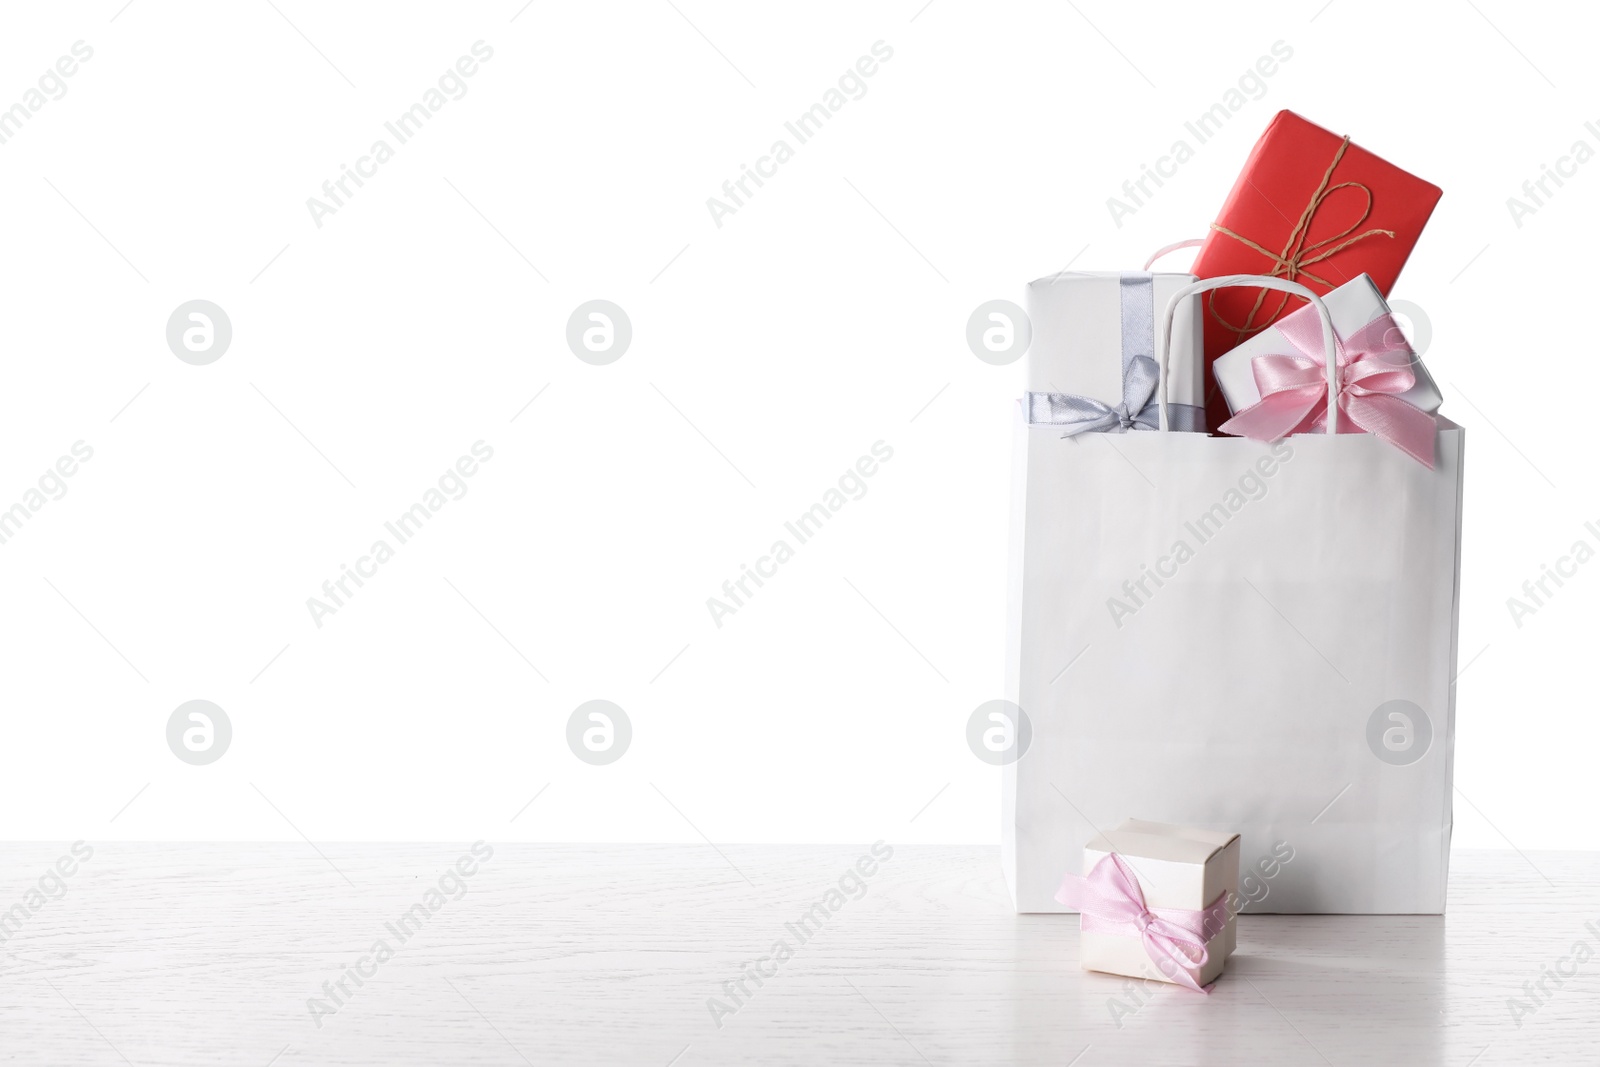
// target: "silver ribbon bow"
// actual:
[[1085, 414], [1141, 376]]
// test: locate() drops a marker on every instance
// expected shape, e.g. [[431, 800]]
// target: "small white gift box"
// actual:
[[1157, 901], [1352, 307]]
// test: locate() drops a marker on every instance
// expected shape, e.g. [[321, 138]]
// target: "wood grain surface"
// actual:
[[213, 954]]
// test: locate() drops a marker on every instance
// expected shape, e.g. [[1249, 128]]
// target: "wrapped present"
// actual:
[[1158, 902], [1311, 207], [1276, 382], [1092, 362]]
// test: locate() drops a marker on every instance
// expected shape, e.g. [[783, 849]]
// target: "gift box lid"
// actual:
[[1177, 866], [1140, 839]]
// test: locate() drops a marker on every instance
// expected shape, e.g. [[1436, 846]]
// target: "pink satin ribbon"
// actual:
[[1111, 901], [1294, 387]]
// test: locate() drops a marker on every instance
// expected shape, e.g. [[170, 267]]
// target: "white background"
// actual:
[[769, 354]]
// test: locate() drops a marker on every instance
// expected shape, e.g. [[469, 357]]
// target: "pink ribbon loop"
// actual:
[[1175, 939], [1374, 366]]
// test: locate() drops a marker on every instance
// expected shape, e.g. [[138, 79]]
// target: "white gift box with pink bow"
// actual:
[[1275, 382], [1157, 901]]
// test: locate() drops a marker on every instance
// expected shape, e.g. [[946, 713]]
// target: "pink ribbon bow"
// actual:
[[1294, 387], [1111, 901]]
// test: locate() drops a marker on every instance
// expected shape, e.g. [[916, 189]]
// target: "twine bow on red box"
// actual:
[[1297, 255]]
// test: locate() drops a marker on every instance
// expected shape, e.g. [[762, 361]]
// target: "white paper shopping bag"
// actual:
[[1243, 636]]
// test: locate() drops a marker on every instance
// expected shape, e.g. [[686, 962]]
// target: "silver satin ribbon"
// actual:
[[1141, 375]]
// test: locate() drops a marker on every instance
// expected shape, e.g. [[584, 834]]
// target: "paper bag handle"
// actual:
[[1254, 281], [1194, 242]]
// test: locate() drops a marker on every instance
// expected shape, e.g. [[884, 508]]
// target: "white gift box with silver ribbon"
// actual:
[[1091, 363]]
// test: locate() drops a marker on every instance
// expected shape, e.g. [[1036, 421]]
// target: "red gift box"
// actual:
[[1311, 207]]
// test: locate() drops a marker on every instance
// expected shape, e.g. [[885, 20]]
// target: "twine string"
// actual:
[[1291, 263]]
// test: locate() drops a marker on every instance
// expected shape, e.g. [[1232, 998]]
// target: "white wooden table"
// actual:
[[208, 954]]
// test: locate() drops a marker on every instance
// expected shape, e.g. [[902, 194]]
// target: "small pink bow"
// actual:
[[1111, 901], [1294, 387]]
